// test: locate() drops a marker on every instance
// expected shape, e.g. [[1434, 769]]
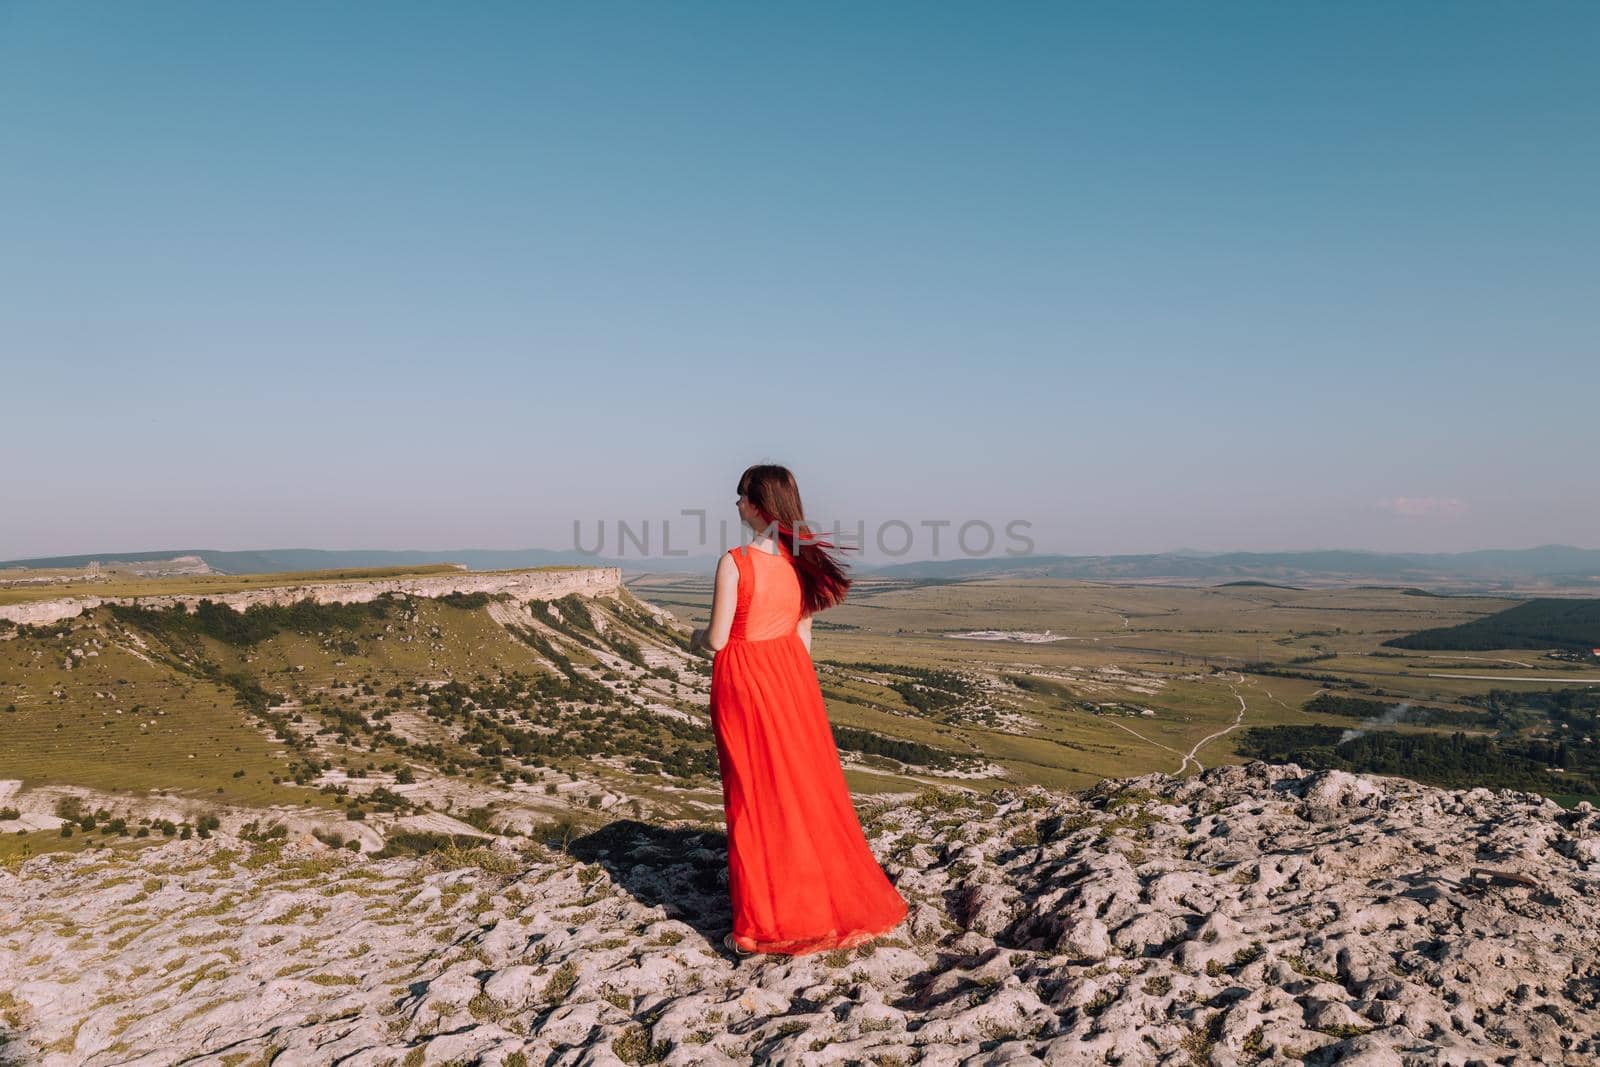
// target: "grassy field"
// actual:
[[580, 706], [1190, 657], [17, 847], [120, 720]]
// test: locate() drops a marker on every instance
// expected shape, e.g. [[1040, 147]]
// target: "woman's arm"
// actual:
[[724, 599], [804, 630]]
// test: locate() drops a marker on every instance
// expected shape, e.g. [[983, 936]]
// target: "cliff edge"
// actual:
[[550, 583]]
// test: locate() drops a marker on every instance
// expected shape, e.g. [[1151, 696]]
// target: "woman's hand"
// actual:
[[697, 640]]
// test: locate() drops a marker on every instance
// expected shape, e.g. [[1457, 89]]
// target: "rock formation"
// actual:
[[541, 584], [1247, 915]]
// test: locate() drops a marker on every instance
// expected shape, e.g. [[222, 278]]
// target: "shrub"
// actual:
[[420, 842], [255, 624], [468, 601]]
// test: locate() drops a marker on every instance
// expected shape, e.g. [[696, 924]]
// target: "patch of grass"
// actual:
[[1254, 1043], [484, 1007], [1158, 986], [484, 859], [1130, 797], [560, 983], [1199, 1042], [1246, 956], [68, 1043], [332, 979], [1027, 837], [634, 1046], [1099, 1003], [1302, 967], [196, 940], [10, 1010]]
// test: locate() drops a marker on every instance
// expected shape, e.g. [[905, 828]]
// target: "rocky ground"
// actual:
[[1247, 915]]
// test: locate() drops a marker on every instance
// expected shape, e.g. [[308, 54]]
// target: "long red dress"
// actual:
[[800, 872]]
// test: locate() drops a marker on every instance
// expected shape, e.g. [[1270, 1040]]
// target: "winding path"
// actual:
[[1488, 659], [1151, 741], [1238, 721]]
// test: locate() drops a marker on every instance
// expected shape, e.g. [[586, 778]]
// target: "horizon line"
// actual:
[[603, 559]]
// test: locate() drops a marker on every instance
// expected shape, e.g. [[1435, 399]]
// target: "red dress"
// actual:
[[800, 872]]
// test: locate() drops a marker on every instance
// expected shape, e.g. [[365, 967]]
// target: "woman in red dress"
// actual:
[[800, 873]]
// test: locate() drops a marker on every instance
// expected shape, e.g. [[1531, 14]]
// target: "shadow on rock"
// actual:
[[684, 871]]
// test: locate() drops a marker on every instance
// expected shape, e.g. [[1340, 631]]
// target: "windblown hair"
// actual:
[[771, 490]]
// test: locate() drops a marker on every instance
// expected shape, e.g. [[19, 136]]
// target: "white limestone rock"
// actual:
[[1249, 915]]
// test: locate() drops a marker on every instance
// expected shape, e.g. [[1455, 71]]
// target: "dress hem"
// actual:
[[801, 946]]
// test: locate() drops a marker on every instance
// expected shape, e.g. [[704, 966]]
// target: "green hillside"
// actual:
[[476, 706], [392, 723]]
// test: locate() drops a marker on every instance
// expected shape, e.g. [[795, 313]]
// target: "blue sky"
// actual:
[[1147, 276]]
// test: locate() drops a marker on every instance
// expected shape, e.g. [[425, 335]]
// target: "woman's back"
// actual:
[[769, 595], [801, 876]]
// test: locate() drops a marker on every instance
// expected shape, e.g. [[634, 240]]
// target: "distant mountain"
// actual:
[[281, 560], [1557, 566]]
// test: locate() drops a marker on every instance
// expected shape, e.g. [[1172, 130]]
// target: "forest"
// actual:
[[1390, 712], [1456, 760], [1542, 623]]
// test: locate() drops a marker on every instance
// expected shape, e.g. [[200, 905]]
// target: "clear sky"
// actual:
[[1149, 276]]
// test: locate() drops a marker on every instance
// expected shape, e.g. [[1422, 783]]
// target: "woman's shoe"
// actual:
[[733, 946]]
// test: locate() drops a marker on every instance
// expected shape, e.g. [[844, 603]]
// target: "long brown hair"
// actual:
[[772, 492]]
